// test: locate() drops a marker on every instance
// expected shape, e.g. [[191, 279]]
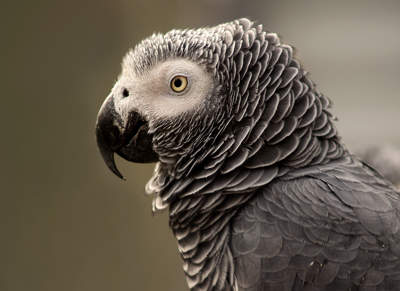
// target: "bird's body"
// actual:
[[262, 195], [330, 227]]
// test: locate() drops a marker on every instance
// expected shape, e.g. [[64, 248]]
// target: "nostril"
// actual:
[[125, 92]]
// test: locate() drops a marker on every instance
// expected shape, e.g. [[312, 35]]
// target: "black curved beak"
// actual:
[[132, 142]]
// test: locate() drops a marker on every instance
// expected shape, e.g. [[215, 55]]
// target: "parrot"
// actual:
[[261, 192]]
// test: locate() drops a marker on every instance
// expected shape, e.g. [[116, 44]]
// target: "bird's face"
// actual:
[[165, 91], [140, 101], [178, 93]]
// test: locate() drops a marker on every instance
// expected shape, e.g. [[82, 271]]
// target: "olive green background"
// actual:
[[66, 223]]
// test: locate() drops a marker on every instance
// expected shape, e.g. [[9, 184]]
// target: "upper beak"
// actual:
[[131, 142]]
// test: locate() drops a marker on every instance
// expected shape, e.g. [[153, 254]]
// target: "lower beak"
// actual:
[[132, 142]]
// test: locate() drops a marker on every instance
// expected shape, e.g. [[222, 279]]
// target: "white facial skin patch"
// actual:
[[152, 93]]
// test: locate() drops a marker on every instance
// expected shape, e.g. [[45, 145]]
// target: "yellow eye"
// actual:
[[179, 83]]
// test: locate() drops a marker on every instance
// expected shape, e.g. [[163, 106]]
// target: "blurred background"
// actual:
[[66, 223]]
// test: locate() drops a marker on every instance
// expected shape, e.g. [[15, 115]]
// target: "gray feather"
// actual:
[[262, 194]]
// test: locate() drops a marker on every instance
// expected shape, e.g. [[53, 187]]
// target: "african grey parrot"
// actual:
[[261, 193]]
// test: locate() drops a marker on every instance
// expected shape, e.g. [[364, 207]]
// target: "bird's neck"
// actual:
[[204, 244], [200, 221], [201, 207]]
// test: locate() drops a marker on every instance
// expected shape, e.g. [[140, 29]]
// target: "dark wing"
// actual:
[[333, 227]]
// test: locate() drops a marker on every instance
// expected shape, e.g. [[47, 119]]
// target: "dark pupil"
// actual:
[[125, 93], [178, 83]]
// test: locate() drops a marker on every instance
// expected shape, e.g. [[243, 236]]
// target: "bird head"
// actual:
[[170, 97], [213, 99]]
